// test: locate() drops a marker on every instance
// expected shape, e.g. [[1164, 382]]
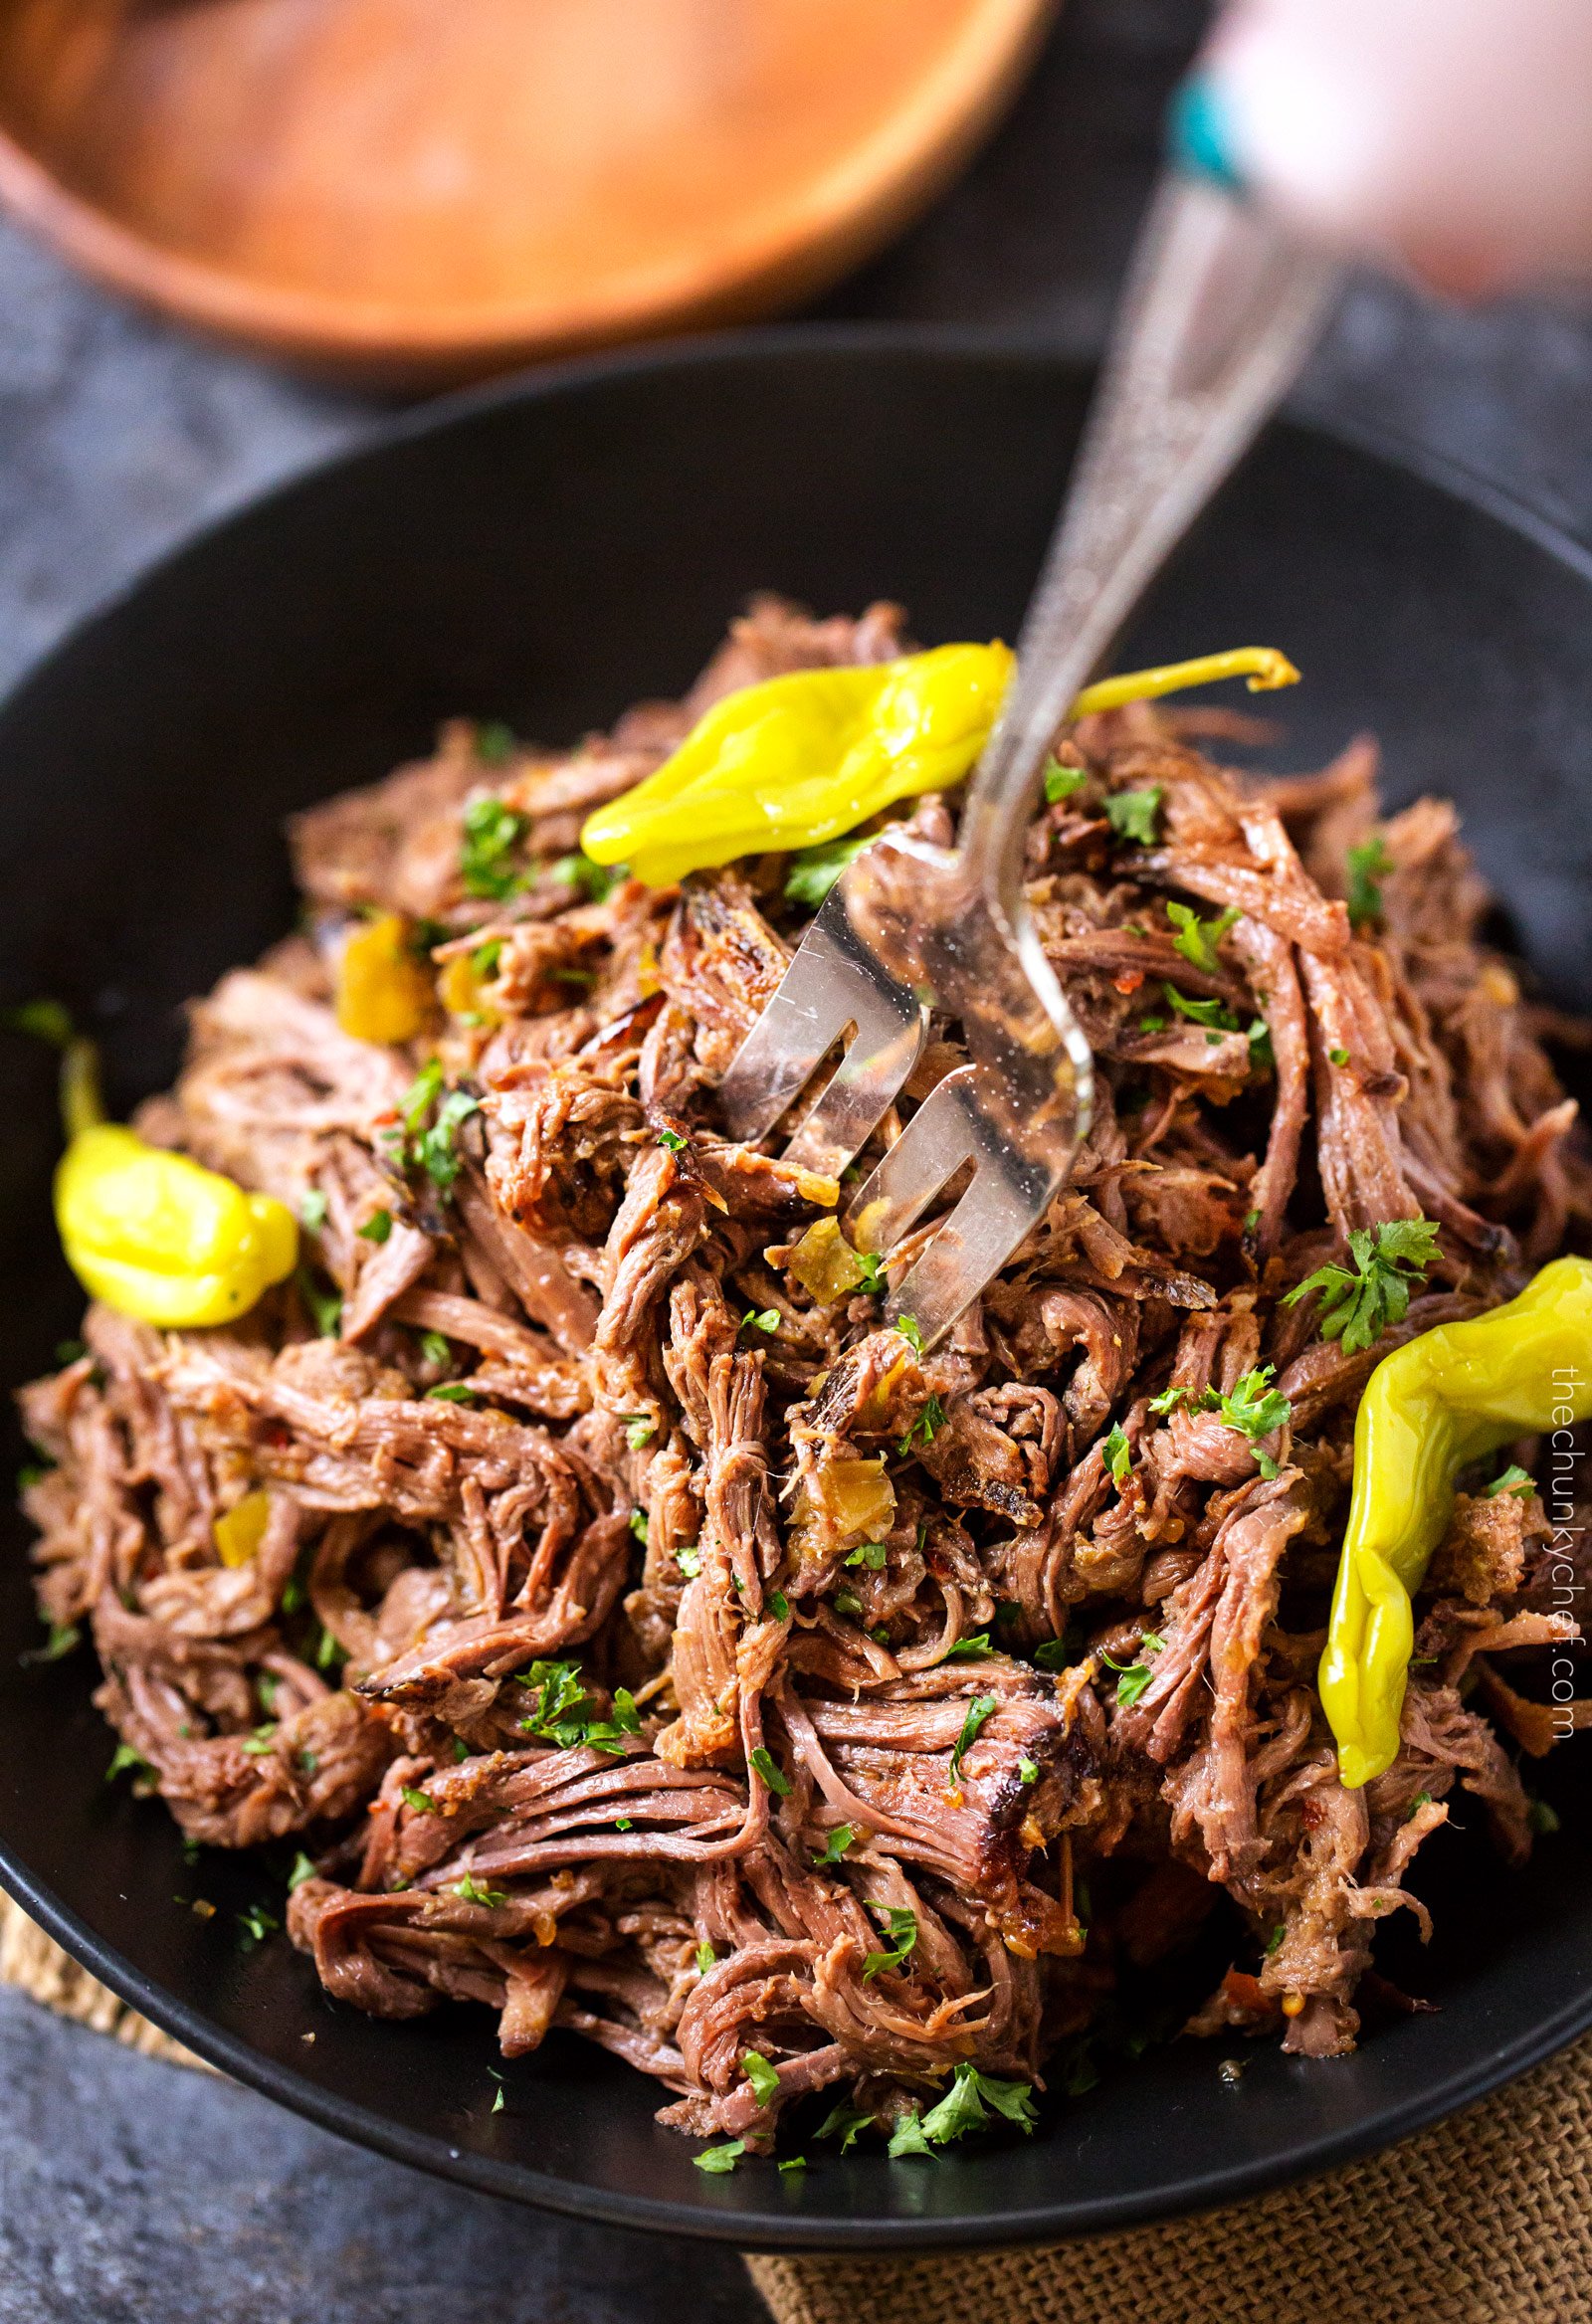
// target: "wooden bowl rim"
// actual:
[[804, 240]]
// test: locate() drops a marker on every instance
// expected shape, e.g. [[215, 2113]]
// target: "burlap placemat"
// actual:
[[1486, 2219]]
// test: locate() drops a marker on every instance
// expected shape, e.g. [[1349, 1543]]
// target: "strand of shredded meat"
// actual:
[[849, 1622]]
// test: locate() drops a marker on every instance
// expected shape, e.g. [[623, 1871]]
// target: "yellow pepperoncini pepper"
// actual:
[[807, 757], [1435, 1403], [239, 1531], [383, 991], [153, 1235]]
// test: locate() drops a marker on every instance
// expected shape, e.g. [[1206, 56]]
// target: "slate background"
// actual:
[[132, 2192]]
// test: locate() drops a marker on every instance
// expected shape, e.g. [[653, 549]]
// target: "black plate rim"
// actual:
[[769, 2231]]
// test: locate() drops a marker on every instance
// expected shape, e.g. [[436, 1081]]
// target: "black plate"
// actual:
[[545, 556]]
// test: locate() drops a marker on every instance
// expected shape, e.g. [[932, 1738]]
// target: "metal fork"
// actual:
[[1221, 310]]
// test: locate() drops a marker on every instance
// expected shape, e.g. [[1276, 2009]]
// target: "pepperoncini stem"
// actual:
[[1263, 667], [805, 758], [383, 991], [1436, 1403], [82, 1106], [157, 1237]]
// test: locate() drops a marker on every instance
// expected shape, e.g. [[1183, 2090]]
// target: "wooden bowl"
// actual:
[[415, 190]]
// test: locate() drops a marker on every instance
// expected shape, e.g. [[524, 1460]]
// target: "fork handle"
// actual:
[[1221, 310]]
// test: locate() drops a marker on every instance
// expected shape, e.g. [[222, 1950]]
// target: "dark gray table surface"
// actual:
[[132, 2192]]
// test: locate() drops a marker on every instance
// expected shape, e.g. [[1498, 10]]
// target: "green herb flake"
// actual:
[[324, 1308], [973, 1649], [673, 1140], [435, 1348], [848, 1602], [312, 1211], [260, 1741], [792, 2163], [1117, 1454], [302, 1869], [873, 1555], [1211, 1014], [924, 1428], [471, 1892], [767, 1319], [1198, 939], [705, 1957], [763, 1761], [421, 1802], [847, 2123], [377, 1228], [640, 1428], [1054, 1655], [483, 960], [1514, 1480], [1133, 1677], [255, 1924], [639, 1523], [1256, 1409], [902, 1924], [763, 2076], [1366, 866], [716, 2161], [61, 1640], [907, 1325], [1028, 1771], [1132, 815], [908, 2136], [497, 2105], [1061, 782], [596, 882], [454, 1392], [813, 871], [490, 831], [779, 1605], [835, 1844], [124, 1759], [968, 2103], [1542, 1819], [689, 1558], [1358, 1303], [979, 1710]]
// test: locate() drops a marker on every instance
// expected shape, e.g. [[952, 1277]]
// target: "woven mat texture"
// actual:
[[1486, 2219]]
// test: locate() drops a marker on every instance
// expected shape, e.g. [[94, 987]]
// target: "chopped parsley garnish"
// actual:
[[421, 1802], [1514, 1480], [61, 1639], [302, 1869], [973, 1649], [925, 1428], [814, 871], [1256, 1409], [1169, 1400], [1028, 1771], [497, 2105], [596, 882], [979, 1710], [673, 1140], [872, 1554], [1367, 865], [324, 1307], [845, 2123], [902, 1924], [483, 960], [435, 1348], [255, 1924], [1133, 1677], [1132, 815], [1274, 1942], [836, 1845], [779, 1605], [792, 2163], [261, 1740], [312, 1211], [762, 1319], [908, 2136], [689, 1558], [1420, 1800], [454, 1392], [125, 1757], [562, 1705], [1208, 1012], [775, 1776], [705, 1957], [639, 1523], [1117, 1454], [907, 1325], [718, 2160], [1263, 1057], [640, 1428], [431, 1147], [1054, 1655], [472, 1892], [848, 1602], [1338, 1057], [377, 1228], [1358, 1304], [763, 2076], [489, 834], [1197, 939], [461, 1749], [1061, 782], [967, 2105]]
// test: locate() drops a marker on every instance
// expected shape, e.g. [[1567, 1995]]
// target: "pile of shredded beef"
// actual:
[[640, 1647]]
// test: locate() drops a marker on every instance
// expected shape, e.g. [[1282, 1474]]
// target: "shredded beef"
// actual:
[[642, 1644]]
